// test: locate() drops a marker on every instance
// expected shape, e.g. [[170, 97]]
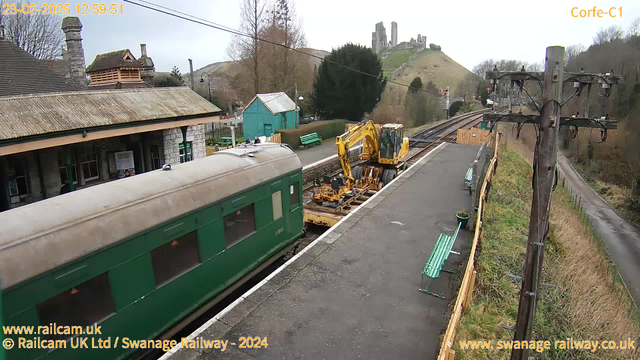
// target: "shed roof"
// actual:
[[23, 116], [113, 60], [276, 102], [21, 73]]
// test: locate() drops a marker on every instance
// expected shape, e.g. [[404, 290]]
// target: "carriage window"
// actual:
[[238, 225], [175, 257], [83, 305], [276, 201], [293, 190]]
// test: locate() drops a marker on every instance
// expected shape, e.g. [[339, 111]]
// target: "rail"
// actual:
[[463, 300]]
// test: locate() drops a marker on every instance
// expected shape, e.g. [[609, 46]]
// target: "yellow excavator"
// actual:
[[384, 151]]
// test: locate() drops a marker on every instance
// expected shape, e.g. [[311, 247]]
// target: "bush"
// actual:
[[327, 130], [433, 46]]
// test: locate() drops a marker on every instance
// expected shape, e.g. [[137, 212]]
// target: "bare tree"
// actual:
[[572, 52], [634, 28], [247, 50], [482, 68], [39, 35], [285, 65], [610, 34]]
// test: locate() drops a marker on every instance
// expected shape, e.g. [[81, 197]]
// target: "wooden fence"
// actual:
[[473, 136], [463, 301]]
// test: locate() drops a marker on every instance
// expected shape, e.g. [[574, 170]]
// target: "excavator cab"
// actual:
[[391, 143]]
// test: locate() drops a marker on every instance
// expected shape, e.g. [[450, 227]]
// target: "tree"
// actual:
[[343, 93], [468, 87], [634, 28], [39, 35], [285, 68], [572, 52], [610, 34], [247, 50], [482, 68], [416, 85], [175, 73]]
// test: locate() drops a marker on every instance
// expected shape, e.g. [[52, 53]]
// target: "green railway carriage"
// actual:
[[139, 254]]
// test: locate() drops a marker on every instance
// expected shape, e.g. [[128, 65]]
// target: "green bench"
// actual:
[[310, 139], [438, 258], [468, 178]]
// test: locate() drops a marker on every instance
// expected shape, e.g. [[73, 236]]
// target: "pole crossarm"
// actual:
[[564, 120], [514, 75]]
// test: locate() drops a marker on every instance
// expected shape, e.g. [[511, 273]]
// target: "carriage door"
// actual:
[[294, 220]]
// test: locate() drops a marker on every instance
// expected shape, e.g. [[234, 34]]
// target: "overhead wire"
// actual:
[[188, 17]]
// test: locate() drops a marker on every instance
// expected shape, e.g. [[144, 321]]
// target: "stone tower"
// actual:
[[74, 54], [379, 39], [394, 33]]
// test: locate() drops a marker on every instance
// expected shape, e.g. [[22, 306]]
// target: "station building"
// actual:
[[60, 132]]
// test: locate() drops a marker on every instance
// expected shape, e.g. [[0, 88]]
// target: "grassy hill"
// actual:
[[429, 65]]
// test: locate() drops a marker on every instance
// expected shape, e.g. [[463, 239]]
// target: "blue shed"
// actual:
[[267, 113]]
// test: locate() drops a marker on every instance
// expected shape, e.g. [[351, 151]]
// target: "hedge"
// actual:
[[327, 129]]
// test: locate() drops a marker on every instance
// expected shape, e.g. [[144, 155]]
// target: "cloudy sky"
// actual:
[[468, 31]]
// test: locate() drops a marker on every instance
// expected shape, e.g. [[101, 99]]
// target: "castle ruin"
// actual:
[[379, 41]]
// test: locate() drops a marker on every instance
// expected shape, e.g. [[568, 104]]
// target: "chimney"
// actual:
[[1, 31], [148, 69], [72, 28]]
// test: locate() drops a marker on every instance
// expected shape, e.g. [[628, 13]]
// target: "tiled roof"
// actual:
[[21, 73], [23, 116], [113, 60]]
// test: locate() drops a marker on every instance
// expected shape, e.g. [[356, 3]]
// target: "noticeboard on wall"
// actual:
[[125, 164]]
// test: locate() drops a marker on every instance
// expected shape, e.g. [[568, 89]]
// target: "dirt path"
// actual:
[[621, 237]]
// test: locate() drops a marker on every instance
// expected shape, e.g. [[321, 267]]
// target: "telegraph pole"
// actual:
[[543, 182], [193, 85]]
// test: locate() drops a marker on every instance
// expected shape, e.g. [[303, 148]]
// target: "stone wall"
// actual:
[[173, 138]]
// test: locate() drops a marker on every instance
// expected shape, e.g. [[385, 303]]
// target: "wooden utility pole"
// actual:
[[544, 177], [543, 183]]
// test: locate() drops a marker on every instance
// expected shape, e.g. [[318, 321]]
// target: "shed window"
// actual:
[[293, 190], [83, 305], [276, 202], [175, 257], [238, 225]]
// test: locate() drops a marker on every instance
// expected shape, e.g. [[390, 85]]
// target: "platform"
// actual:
[[353, 292], [318, 152]]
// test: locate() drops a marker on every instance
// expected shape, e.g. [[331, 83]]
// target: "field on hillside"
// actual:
[[396, 59]]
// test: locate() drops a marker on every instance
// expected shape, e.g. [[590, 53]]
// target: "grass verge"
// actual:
[[585, 300]]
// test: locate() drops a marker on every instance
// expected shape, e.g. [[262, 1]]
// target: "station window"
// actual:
[[238, 225], [293, 190], [62, 165], [18, 180], [83, 305], [276, 202], [89, 161], [175, 257]]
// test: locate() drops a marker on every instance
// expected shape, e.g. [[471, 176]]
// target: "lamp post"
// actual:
[[208, 82]]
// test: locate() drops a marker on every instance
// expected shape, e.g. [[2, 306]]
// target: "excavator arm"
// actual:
[[370, 146]]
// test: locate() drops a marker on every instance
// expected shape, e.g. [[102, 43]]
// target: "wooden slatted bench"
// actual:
[[438, 258], [310, 139], [468, 179]]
